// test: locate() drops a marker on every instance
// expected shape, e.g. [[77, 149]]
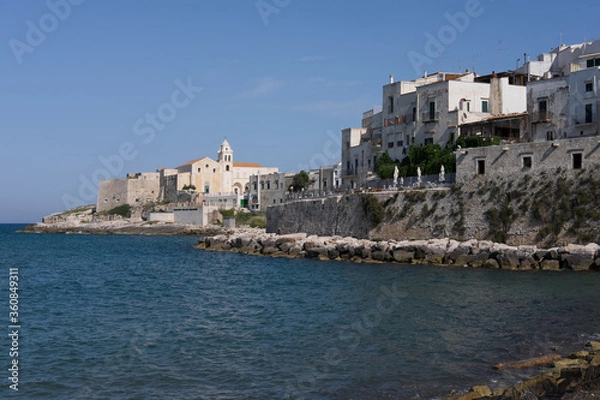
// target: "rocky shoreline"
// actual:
[[576, 377], [471, 253], [125, 227]]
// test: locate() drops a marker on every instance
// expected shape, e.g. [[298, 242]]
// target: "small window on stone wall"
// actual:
[[577, 160], [527, 162], [480, 167]]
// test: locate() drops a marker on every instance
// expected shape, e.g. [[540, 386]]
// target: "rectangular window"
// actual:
[[589, 87], [588, 114], [428, 141], [414, 114], [480, 167], [369, 163], [594, 62], [199, 170], [390, 145], [432, 110], [399, 143], [356, 166], [577, 160], [543, 108], [348, 167], [391, 103], [527, 162], [484, 106], [549, 135]]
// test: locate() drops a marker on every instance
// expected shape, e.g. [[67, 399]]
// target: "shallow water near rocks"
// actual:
[[152, 317]]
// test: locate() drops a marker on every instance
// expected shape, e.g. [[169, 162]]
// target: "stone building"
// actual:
[[276, 188], [565, 107], [268, 189], [136, 189], [519, 159]]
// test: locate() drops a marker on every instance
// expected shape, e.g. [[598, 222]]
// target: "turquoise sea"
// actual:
[[146, 317]]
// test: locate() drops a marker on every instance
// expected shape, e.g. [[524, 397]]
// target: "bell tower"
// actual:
[[225, 155]]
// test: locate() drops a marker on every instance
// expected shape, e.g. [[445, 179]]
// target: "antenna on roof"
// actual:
[[500, 50], [561, 39]]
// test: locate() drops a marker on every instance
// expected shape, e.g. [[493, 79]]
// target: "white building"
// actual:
[[427, 110]]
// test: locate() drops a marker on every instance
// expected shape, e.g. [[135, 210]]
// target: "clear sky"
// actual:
[[90, 87]]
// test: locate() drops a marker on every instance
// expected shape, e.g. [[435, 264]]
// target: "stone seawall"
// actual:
[[471, 253], [541, 208], [324, 217]]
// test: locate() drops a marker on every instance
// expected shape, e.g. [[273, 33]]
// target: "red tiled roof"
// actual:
[[246, 165]]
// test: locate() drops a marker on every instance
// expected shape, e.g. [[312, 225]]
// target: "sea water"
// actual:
[[142, 317]]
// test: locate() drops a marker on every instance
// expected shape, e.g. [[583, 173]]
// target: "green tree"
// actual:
[[385, 166], [301, 181]]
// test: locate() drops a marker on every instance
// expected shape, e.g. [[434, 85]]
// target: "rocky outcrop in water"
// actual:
[[471, 253], [576, 377]]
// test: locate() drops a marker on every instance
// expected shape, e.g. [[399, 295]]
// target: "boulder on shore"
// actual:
[[472, 253]]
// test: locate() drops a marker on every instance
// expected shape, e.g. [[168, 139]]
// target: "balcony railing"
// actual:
[[430, 116], [542, 116]]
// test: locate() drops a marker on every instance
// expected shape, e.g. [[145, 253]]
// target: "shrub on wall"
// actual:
[[373, 209], [122, 210]]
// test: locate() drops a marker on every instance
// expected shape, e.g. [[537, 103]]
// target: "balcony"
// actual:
[[430, 116], [541, 117]]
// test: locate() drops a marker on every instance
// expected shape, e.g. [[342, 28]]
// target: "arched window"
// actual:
[[227, 168], [206, 189]]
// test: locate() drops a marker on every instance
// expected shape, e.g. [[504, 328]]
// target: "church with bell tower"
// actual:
[[223, 175], [207, 179]]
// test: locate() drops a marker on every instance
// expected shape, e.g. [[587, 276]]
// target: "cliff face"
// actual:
[[546, 209]]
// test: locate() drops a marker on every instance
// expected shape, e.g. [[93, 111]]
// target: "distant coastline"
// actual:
[[124, 227]]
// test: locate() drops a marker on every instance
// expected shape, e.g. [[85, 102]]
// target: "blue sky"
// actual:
[[81, 80]]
